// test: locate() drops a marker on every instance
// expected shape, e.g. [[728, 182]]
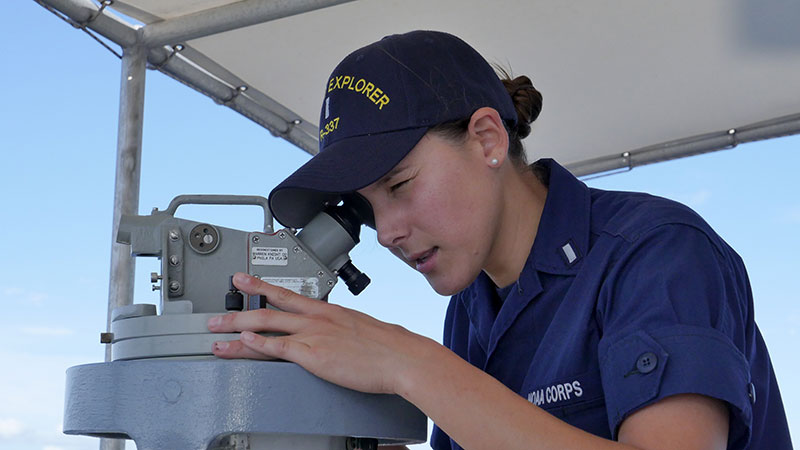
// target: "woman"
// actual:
[[579, 318]]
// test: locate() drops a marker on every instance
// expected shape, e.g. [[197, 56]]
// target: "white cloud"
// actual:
[[32, 297], [52, 447], [10, 428], [33, 395], [698, 198], [47, 331]]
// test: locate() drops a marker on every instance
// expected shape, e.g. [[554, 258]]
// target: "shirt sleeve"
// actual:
[[673, 312], [440, 440]]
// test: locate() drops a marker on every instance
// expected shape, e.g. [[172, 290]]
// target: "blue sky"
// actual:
[[58, 123]]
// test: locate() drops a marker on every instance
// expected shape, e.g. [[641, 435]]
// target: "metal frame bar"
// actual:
[[233, 97], [226, 18], [128, 173], [216, 70], [126, 187], [695, 145], [251, 103], [84, 12]]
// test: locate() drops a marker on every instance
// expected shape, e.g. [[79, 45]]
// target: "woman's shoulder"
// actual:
[[630, 215]]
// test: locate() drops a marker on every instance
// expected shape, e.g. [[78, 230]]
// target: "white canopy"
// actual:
[[625, 83], [616, 76]]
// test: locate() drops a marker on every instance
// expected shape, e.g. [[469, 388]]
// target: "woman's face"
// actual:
[[437, 210]]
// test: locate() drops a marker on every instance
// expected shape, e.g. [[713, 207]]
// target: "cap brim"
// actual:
[[344, 166]]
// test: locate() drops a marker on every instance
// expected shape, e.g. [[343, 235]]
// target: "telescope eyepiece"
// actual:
[[355, 279]]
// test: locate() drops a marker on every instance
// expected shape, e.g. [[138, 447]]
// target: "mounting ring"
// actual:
[[204, 238], [94, 16]]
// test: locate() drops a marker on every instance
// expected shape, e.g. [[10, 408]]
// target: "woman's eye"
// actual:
[[399, 185]]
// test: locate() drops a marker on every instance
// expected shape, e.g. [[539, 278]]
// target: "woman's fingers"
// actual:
[[297, 315], [254, 346], [263, 319], [277, 296], [340, 345], [236, 350], [293, 316], [278, 347]]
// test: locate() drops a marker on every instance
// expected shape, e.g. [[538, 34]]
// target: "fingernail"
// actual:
[[214, 321], [240, 277], [221, 346], [247, 336]]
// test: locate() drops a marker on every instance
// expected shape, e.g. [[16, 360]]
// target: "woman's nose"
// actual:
[[391, 228]]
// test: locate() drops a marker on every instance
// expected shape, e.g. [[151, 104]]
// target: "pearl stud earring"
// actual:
[[495, 161]]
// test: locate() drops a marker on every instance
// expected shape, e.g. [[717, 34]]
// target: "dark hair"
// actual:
[[528, 104]]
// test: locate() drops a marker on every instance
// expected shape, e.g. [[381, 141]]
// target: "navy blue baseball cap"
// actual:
[[379, 102]]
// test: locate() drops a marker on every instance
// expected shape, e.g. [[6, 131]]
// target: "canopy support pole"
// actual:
[[225, 18], [253, 104], [85, 14], [238, 98], [126, 187], [694, 145]]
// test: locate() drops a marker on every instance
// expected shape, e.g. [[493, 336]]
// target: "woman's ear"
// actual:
[[486, 128]]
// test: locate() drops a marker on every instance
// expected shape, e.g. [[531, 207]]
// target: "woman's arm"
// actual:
[[479, 412], [359, 352]]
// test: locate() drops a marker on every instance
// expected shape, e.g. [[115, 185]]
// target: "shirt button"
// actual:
[[647, 362], [751, 392]]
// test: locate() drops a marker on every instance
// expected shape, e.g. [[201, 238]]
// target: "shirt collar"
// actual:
[[565, 220], [562, 239]]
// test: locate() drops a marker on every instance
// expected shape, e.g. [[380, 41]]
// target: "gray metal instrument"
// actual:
[[163, 371]]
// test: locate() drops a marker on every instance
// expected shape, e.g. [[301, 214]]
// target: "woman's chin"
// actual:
[[445, 287]]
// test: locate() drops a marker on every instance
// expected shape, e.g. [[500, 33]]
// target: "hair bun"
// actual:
[[527, 101]]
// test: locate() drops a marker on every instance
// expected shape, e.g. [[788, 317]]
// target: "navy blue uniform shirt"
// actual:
[[625, 299]]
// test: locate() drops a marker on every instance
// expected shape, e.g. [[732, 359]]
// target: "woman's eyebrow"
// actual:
[[397, 169]]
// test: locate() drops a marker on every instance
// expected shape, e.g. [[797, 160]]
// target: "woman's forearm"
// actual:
[[479, 412]]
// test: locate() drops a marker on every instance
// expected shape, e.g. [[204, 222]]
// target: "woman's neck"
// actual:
[[523, 202]]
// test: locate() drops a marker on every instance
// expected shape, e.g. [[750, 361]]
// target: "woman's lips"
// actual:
[[426, 261]]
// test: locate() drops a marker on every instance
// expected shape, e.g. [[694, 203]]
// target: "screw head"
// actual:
[[174, 235], [330, 283], [174, 286], [320, 274], [282, 235], [174, 260], [256, 239], [296, 249]]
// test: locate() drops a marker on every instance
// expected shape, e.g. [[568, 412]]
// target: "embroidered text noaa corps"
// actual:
[[555, 393]]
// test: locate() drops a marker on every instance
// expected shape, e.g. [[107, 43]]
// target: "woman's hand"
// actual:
[[340, 345]]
